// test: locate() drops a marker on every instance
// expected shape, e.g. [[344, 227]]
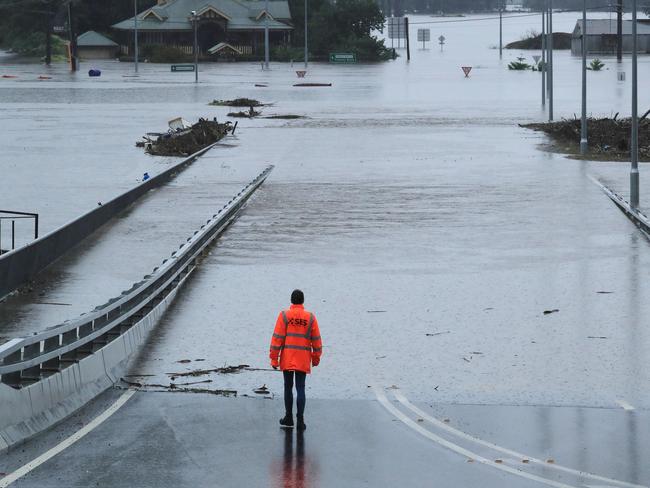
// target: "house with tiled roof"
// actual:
[[239, 23]]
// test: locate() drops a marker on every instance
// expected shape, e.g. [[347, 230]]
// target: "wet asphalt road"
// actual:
[[408, 203]]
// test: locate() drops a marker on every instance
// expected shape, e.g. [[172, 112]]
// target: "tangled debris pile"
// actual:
[[186, 140], [608, 137], [238, 102], [249, 114]]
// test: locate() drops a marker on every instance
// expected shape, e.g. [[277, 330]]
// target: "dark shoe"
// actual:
[[301, 424], [287, 422]]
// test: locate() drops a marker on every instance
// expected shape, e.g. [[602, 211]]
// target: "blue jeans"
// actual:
[[300, 390]]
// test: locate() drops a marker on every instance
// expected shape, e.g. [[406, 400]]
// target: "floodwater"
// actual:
[[408, 203]]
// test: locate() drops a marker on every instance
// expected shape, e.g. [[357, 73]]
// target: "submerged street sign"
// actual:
[[182, 67], [396, 28], [343, 58], [424, 35]]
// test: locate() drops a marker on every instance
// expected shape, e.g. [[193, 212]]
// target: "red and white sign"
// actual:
[[466, 70]]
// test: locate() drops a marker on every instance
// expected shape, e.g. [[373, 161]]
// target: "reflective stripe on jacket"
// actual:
[[296, 340]]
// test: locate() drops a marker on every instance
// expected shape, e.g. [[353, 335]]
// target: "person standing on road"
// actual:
[[295, 346]]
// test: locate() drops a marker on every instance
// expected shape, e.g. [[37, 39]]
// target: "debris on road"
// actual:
[[609, 138], [604, 292], [202, 372], [238, 102], [433, 334], [555, 310], [178, 388], [596, 337], [184, 361], [312, 84], [184, 140], [375, 311], [286, 117], [262, 390], [248, 115]]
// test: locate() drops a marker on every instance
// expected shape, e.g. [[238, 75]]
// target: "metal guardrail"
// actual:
[[637, 217], [26, 360]]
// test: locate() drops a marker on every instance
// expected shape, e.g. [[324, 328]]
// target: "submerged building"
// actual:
[[602, 37], [238, 23]]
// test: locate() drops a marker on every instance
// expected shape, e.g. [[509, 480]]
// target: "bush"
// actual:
[[519, 65], [596, 65], [165, 54]]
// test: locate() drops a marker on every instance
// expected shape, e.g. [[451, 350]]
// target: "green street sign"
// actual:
[[343, 58], [182, 67]]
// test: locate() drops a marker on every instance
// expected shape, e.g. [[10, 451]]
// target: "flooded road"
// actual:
[[408, 203]]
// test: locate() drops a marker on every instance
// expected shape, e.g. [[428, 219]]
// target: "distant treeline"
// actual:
[[399, 7]]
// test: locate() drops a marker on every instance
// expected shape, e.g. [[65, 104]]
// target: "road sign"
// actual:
[[424, 35], [466, 70], [621, 76], [441, 40], [537, 57], [345, 58], [182, 67], [301, 73], [396, 28]]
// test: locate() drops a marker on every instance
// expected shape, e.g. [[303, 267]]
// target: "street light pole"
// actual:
[[501, 29], [266, 34], [135, 35], [583, 128], [543, 59], [550, 60], [634, 153], [195, 23], [306, 51]]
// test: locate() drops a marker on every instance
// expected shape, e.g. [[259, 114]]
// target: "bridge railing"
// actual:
[[26, 360]]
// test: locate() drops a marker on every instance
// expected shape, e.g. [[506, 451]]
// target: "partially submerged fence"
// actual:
[[46, 376], [22, 265]]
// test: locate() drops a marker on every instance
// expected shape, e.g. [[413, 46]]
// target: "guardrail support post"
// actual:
[[53, 365], [31, 351], [12, 379]]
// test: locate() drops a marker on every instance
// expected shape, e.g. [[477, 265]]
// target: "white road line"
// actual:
[[96, 422], [442, 425], [625, 405], [381, 397]]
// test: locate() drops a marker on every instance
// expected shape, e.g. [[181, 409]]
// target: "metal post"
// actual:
[[306, 51], [543, 59], [266, 34], [583, 125], [13, 235], [550, 60], [619, 31], [36, 226], [73, 41], [634, 153], [501, 29], [408, 43], [196, 48], [135, 35]]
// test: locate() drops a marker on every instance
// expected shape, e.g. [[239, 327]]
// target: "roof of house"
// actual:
[[597, 27], [94, 39], [239, 14]]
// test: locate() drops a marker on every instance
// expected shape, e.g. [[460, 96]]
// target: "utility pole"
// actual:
[[408, 44], [583, 124], [500, 29], [306, 51], [195, 22], [73, 40], [619, 31], [266, 34], [634, 152], [543, 59], [550, 60], [135, 35]]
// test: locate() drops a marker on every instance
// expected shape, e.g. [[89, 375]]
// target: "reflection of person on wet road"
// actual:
[[295, 346]]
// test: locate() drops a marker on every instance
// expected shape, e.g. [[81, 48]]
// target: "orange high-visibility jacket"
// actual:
[[296, 340]]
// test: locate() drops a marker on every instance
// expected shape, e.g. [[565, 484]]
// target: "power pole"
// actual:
[[195, 21], [634, 152], [306, 51], [135, 35], [73, 40], [583, 124], [550, 60], [619, 31], [500, 29], [408, 44], [543, 59], [266, 34]]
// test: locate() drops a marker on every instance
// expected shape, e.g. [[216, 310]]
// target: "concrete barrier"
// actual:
[[23, 264]]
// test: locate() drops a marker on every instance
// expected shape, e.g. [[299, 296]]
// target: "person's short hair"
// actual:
[[297, 297]]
